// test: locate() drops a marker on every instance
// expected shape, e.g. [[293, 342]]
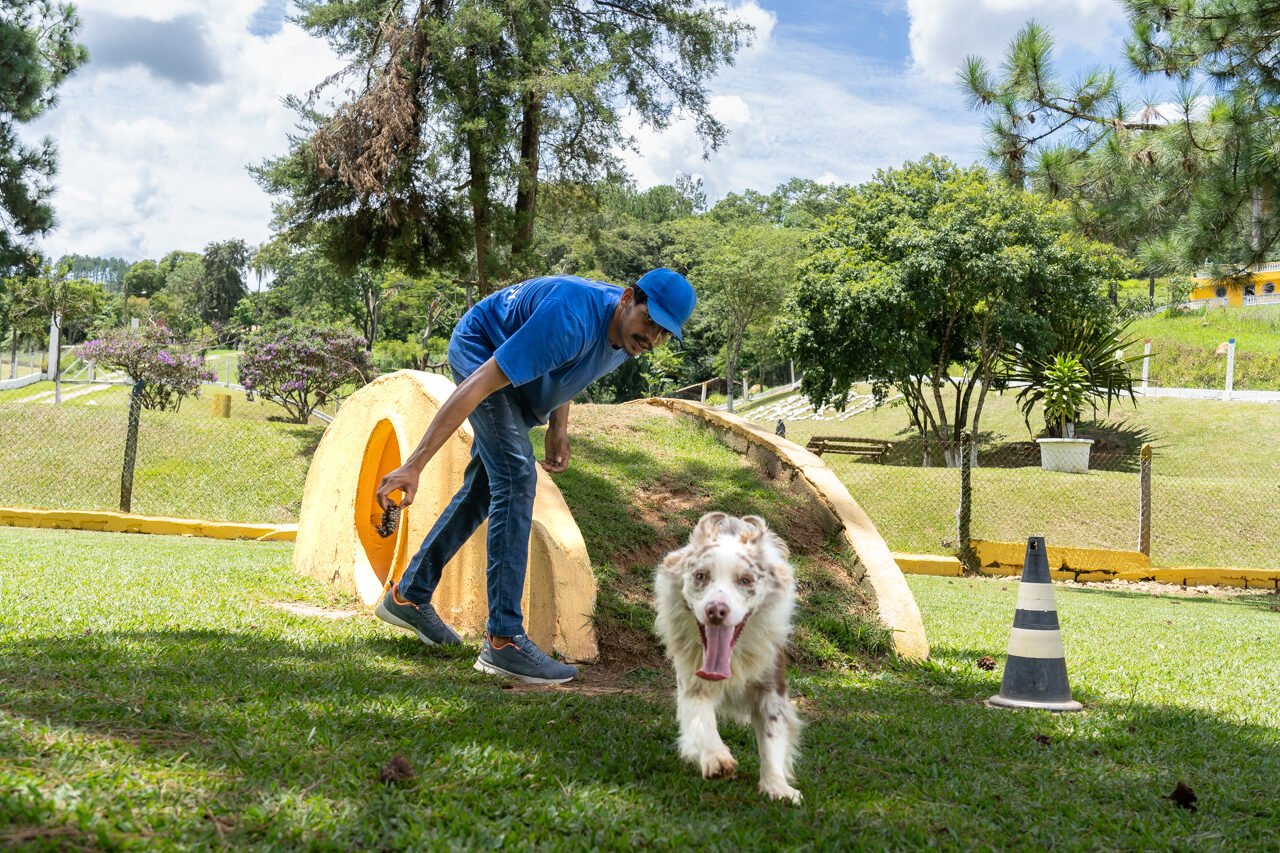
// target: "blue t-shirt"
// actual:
[[550, 336]]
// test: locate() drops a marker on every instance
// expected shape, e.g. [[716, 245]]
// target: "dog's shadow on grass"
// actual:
[[265, 713]]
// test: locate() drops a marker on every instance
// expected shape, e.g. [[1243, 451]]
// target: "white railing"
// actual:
[[1264, 299]]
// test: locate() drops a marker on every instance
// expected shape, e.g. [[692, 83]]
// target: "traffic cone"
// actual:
[[1035, 671]]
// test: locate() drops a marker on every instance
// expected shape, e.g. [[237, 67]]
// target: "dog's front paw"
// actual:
[[718, 765], [780, 791]]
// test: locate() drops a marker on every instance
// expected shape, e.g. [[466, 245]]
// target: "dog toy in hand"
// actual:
[[390, 521]]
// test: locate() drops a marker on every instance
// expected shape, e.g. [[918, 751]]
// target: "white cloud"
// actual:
[[799, 110], [148, 165], [943, 32]]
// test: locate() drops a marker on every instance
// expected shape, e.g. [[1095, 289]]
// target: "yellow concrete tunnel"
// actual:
[[338, 543]]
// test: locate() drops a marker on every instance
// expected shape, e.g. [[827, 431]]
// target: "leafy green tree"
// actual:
[[491, 96], [927, 279], [223, 281], [743, 275], [39, 51], [1180, 184], [144, 278]]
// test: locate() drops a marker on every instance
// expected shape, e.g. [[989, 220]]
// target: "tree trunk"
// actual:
[[1151, 290], [731, 361], [527, 190], [13, 353], [478, 186]]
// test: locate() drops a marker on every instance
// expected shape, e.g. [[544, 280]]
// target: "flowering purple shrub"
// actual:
[[300, 366], [150, 354]]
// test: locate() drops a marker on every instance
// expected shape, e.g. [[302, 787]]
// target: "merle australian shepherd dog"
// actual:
[[724, 605]]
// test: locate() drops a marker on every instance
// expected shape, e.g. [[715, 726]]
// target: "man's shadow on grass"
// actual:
[[266, 714]]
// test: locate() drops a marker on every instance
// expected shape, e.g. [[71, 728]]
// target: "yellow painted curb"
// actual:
[[928, 564], [778, 456], [123, 522], [1005, 558], [337, 542]]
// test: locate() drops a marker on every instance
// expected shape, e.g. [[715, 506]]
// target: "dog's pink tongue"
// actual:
[[715, 654]]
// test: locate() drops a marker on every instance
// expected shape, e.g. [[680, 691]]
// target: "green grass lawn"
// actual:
[[152, 698], [1213, 483], [243, 468], [1183, 345]]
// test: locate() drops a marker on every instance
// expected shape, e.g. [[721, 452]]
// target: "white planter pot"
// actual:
[[1065, 454]]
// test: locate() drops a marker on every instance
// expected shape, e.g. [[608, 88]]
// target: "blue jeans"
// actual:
[[499, 483]]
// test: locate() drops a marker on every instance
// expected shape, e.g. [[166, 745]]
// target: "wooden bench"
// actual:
[[872, 448]]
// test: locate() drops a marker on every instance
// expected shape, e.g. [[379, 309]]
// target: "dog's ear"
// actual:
[[671, 563], [707, 528], [753, 528]]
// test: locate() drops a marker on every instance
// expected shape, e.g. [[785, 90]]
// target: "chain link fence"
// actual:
[[1201, 514], [248, 467], [252, 466]]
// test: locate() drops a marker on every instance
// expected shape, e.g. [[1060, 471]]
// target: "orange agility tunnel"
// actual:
[[338, 541]]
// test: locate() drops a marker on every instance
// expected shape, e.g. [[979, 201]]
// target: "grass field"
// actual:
[[154, 698], [1183, 344], [243, 468], [1213, 483]]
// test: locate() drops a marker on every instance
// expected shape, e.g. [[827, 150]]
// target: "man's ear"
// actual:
[[628, 296]]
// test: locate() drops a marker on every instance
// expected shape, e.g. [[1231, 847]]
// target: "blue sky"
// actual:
[[156, 132]]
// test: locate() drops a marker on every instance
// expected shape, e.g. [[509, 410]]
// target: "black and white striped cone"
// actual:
[[1035, 672]]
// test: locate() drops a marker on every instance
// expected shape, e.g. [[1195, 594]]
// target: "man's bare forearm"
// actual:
[[456, 409], [559, 420]]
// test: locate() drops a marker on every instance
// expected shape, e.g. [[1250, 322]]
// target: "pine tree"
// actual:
[[1181, 185], [37, 52]]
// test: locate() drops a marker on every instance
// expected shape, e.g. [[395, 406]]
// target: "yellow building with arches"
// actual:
[[1260, 286]]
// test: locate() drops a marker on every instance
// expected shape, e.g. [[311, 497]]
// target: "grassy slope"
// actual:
[[243, 468], [152, 699], [639, 480], [1183, 346], [1213, 484]]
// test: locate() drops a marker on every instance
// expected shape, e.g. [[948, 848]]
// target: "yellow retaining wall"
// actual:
[[896, 604], [337, 543], [1089, 565], [123, 522]]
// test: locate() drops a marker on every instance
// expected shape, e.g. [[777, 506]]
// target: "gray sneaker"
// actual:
[[521, 659], [420, 619]]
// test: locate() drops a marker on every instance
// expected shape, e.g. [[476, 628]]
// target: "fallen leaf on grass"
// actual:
[[986, 662], [1183, 797], [398, 769]]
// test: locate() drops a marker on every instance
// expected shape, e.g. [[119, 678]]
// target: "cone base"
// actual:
[[999, 701]]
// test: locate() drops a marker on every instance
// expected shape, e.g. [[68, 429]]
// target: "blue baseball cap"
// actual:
[[671, 298]]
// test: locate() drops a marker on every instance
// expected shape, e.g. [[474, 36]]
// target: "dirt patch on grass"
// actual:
[[665, 495], [299, 609]]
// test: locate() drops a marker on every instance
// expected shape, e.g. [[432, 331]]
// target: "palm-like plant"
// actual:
[[1063, 391], [1097, 349]]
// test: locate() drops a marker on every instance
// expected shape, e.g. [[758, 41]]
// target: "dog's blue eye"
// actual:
[[746, 580]]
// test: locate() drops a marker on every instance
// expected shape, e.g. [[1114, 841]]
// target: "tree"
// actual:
[[1180, 184], [223, 281], [149, 355], [301, 366], [743, 274], [927, 279], [39, 51], [490, 97]]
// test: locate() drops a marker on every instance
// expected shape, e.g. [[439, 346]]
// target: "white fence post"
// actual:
[[1146, 363], [226, 367], [1231, 368]]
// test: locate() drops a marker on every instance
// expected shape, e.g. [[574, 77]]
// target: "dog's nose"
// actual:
[[717, 612]]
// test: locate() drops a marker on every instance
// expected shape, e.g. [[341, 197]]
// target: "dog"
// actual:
[[724, 608]]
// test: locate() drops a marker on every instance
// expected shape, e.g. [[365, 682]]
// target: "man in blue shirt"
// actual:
[[519, 356]]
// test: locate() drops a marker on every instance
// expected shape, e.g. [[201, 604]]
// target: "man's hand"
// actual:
[[403, 479], [557, 456]]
